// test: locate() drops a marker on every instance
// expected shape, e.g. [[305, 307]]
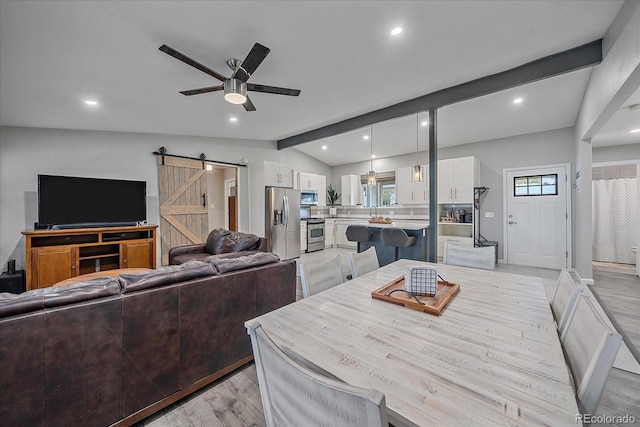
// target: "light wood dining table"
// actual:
[[493, 357]]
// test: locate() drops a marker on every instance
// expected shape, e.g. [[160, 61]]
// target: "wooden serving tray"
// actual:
[[447, 219], [432, 305], [380, 221]]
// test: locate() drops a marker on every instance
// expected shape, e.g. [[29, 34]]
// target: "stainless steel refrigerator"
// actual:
[[282, 223]]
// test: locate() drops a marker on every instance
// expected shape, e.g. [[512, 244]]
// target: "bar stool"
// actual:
[[360, 234], [397, 238]]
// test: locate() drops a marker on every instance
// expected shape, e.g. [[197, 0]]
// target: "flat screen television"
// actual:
[[72, 202]]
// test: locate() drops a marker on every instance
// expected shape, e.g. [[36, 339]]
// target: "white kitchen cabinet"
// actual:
[[319, 183], [312, 181], [456, 179], [409, 192], [351, 190], [304, 181], [303, 236], [460, 241], [296, 180], [277, 175], [329, 232], [341, 236]]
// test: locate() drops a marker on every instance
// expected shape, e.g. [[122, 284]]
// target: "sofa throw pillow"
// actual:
[[216, 240], [243, 242], [166, 275], [224, 265]]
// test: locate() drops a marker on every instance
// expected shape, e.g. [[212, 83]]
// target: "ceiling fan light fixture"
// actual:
[[235, 91]]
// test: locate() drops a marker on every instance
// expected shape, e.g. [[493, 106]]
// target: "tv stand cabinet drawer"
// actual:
[[54, 255], [61, 240]]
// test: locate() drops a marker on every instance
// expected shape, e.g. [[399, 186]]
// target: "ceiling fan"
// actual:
[[235, 87]]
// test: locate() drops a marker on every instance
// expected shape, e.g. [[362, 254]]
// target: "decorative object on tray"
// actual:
[[380, 220], [421, 281], [432, 305]]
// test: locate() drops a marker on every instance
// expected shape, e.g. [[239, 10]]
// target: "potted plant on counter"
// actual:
[[332, 198]]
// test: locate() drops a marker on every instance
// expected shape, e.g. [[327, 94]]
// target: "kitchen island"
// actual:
[[386, 254]]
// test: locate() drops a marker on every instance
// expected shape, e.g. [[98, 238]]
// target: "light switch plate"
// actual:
[[488, 214]]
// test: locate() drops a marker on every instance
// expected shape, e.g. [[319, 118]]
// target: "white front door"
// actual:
[[537, 217]]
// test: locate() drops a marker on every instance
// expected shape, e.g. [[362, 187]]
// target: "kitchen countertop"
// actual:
[[405, 224]]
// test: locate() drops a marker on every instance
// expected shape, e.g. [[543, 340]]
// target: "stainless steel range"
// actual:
[[315, 234], [315, 230]]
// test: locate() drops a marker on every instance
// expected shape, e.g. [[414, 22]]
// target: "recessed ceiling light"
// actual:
[[365, 137], [634, 131], [324, 147], [233, 119], [396, 31], [373, 156], [91, 102], [518, 101], [424, 123]]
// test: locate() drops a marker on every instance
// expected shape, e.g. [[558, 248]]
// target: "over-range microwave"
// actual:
[[309, 198]]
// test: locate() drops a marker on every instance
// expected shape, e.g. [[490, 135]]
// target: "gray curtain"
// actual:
[[614, 219]]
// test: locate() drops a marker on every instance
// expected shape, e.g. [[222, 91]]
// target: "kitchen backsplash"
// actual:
[[406, 213]]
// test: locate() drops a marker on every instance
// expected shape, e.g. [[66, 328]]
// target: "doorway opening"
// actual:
[[193, 201], [615, 209]]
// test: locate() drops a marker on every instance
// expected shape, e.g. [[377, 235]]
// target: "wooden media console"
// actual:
[[55, 255]]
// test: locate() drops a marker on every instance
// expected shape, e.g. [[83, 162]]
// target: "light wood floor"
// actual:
[[235, 399], [620, 293]]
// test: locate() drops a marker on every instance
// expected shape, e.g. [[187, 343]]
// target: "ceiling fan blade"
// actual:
[[248, 105], [251, 62], [170, 51], [202, 90], [272, 89]]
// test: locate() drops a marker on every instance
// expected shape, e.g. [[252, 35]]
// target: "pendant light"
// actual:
[[416, 172], [371, 180]]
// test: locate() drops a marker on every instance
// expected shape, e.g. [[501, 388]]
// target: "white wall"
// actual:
[[610, 85], [616, 153], [27, 152], [535, 149]]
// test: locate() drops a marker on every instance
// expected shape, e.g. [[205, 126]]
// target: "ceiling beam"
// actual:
[[574, 59]]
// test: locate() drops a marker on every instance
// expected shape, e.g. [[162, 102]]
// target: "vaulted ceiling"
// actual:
[[54, 55]]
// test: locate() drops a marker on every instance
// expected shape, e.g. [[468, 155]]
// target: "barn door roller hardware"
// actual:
[[163, 152]]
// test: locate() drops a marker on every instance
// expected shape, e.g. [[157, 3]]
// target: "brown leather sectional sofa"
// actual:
[[113, 351], [220, 243]]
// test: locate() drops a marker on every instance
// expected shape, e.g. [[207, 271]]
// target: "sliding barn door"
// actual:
[[183, 205]]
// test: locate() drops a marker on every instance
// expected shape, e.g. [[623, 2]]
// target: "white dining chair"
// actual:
[[563, 298], [319, 277], [483, 257], [363, 262], [590, 347], [298, 394]]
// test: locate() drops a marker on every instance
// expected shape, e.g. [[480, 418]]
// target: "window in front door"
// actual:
[[535, 185]]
